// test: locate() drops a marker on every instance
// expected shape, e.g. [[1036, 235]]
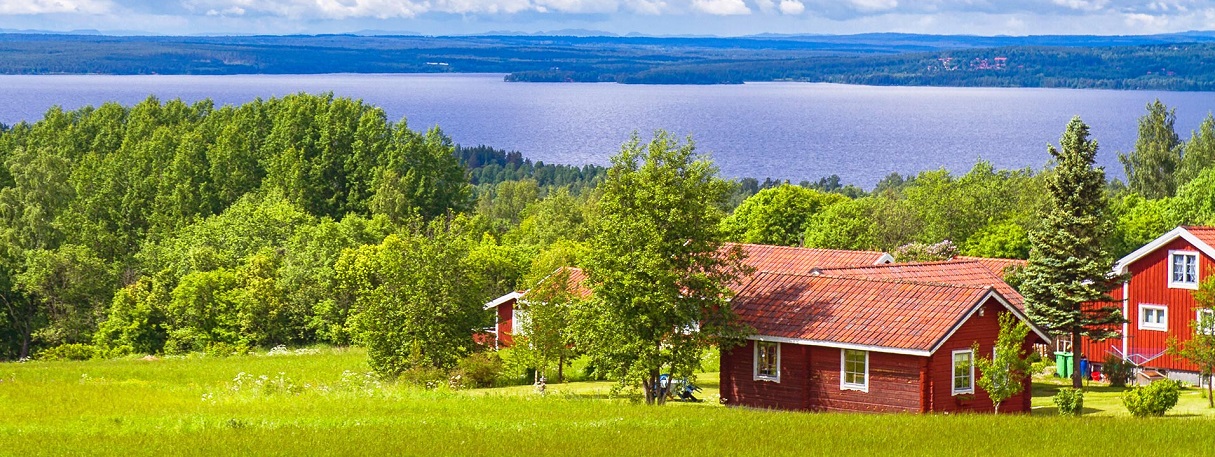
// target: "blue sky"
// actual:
[[651, 17]]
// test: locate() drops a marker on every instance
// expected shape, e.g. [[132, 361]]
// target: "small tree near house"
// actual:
[[1003, 374], [545, 330], [1200, 348]]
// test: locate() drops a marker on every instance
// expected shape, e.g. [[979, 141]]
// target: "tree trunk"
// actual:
[[996, 405], [1076, 379], [561, 368], [1210, 386]]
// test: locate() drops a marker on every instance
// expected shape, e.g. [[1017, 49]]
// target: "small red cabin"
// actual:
[[1157, 301], [828, 342]]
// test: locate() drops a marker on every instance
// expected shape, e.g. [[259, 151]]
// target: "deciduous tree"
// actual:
[[1003, 374], [657, 268], [1150, 168], [1200, 348]]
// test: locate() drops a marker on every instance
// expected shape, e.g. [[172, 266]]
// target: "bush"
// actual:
[[481, 369], [427, 377], [1153, 399], [1116, 371], [1070, 401], [222, 349], [69, 352]]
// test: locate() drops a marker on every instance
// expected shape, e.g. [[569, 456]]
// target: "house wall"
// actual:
[[982, 329], [739, 388], [1149, 284], [506, 315]]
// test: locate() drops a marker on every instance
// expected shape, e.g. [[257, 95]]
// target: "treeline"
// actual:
[[1185, 66]]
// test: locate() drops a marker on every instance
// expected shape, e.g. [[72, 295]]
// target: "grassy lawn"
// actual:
[[322, 404], [1104, 401]]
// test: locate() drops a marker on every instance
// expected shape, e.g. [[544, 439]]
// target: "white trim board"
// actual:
[[1179, 232], [503, 299]]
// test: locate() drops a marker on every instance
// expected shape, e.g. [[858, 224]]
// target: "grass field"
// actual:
[[322, 404]]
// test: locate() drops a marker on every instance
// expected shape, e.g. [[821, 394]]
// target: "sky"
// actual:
[[648, 17]]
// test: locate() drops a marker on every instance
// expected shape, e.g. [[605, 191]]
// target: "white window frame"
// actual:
[[1174, 284], [755, 363], [1210, 321], [1161, 310], [844, 384], [953, 372], [517, 318]]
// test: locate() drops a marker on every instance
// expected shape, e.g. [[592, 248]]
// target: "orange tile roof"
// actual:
[[788, 259], [960, 273], [900, 315], [996, 265], [1206, 234], [576, 282]]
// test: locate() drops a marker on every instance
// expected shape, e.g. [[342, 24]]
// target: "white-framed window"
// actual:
[[1153, 317], [854, 370], [963, 372], [1206, 321], [518, 320], [1183, 269], [767, 361]]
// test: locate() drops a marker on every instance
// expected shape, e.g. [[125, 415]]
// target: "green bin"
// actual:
[[1063, 364]]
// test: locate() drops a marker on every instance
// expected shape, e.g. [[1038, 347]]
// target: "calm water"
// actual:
[[785, 130]]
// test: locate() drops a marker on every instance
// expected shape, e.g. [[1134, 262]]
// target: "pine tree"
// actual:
[[1069, 271]]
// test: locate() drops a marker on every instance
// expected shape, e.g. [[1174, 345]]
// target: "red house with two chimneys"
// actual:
[[1158, 303]]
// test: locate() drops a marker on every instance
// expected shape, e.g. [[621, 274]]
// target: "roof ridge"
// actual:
[[885, 280], [866, 251], [905, 264]]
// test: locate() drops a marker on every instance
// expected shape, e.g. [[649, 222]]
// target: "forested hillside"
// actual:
[[1164, 62]]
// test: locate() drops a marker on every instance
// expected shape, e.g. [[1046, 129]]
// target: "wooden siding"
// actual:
[[894, 383], [1149, 284], [506, 315], [739, 387], [978, 329]]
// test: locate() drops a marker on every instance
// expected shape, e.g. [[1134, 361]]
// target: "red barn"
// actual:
[[1157, 300], [859, 343]]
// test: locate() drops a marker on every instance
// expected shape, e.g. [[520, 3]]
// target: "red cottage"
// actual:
[[507, 315], [835, 343], [1157, 301]]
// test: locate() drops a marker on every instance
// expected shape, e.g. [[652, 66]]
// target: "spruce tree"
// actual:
[[1070, 271]]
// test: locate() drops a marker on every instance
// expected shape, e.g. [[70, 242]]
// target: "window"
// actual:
[[1183, 269], [767, 361], [963, 372], [1206, 321], [854, 370], [1153, 317], [518, 321]]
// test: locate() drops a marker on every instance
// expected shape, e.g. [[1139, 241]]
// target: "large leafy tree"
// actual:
[[1151, 167], [657, 267], [414, 306], [1199, 152], [777, 215], [1069, 271]]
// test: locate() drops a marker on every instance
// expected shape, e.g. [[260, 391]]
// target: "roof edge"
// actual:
[[839, 345], [1179, 232]]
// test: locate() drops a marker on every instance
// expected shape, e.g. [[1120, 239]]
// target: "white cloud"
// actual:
[[1082, 5], [765, 6], [792, 7], [15, 7], [875, 5], [721, 7]]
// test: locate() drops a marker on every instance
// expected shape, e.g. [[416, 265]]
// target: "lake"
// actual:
[[783, 130]]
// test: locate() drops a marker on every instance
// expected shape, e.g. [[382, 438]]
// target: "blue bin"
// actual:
[[1084, 367]]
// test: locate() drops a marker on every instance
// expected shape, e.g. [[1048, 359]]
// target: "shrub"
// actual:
[[424, 376], [69, 352], [481, 369], [222, 349], [1153, 399], [1116, 370], [1070, 401]]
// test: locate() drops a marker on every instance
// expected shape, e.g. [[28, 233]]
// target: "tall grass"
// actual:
[[321, 404]]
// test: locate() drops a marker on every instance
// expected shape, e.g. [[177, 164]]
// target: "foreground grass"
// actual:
[[322, 405]]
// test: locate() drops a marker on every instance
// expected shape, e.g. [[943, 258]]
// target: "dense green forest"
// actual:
[[166, 227], [1165, 62]]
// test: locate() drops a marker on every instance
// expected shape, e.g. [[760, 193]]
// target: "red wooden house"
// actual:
[[508, 316], [1157, 300], [863, 339]]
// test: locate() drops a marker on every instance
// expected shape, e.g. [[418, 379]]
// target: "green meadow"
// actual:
[[322, 402]]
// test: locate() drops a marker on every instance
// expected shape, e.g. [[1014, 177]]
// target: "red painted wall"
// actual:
[[1149, 284], [810, 377], [982, 330], [506, 317]]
